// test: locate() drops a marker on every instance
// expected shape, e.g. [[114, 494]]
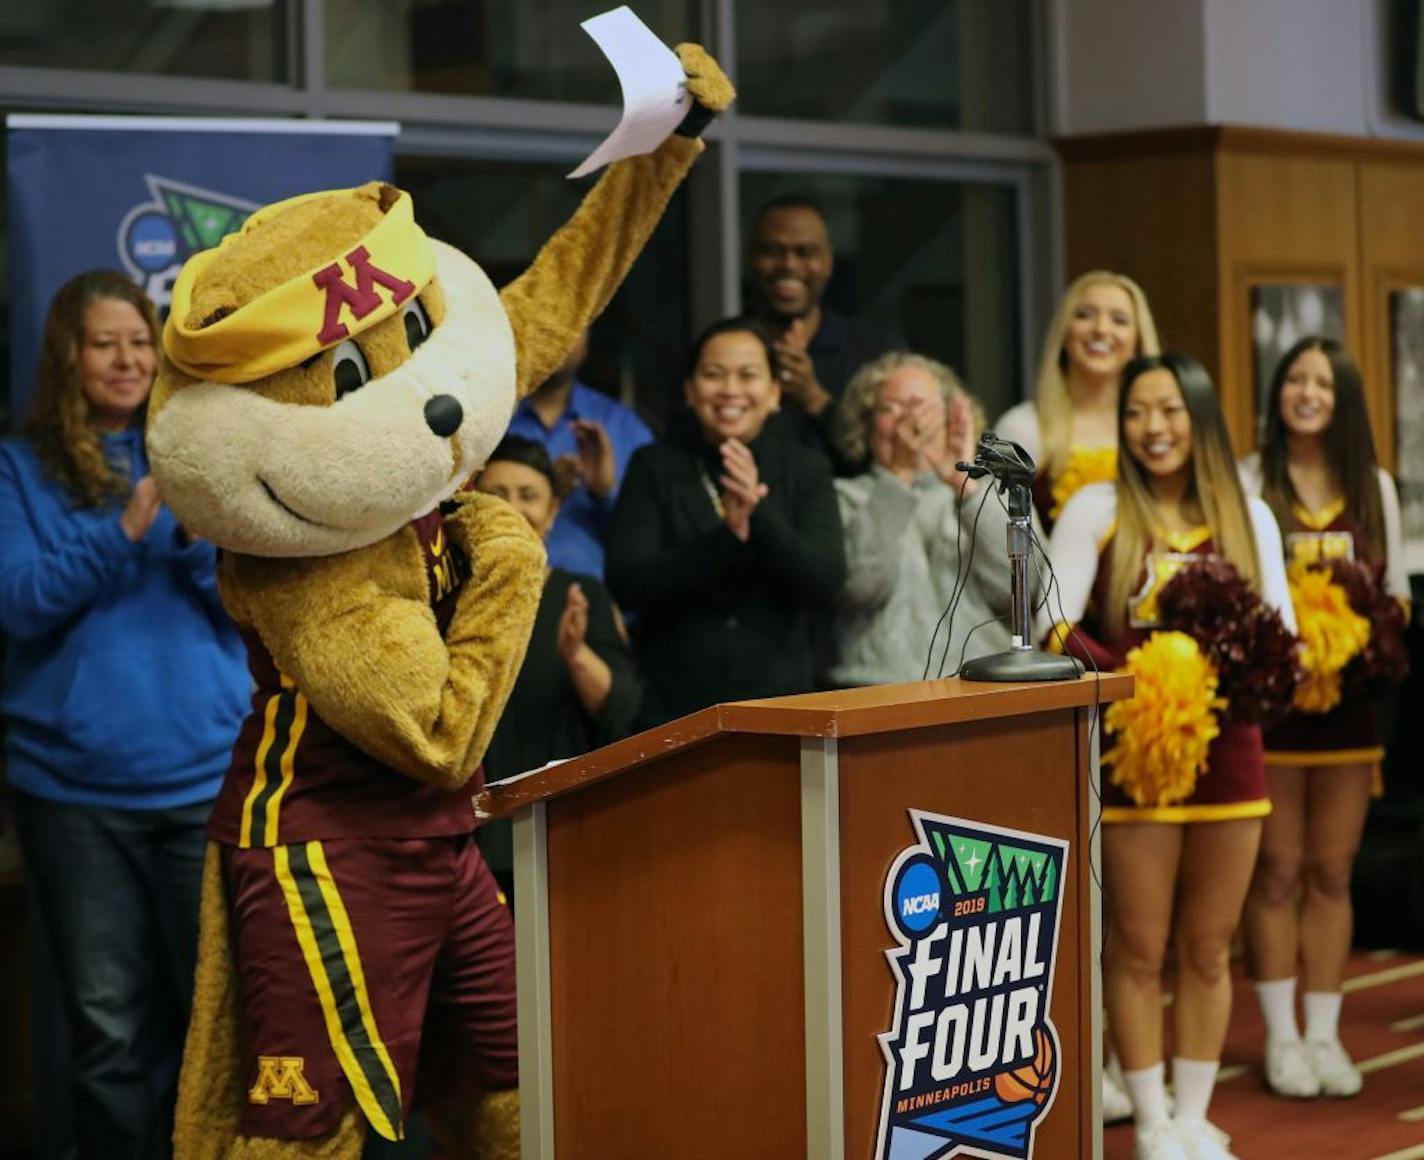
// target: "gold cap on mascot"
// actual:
[[306, 314]]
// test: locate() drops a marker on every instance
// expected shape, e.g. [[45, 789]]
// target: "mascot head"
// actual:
[[331, 374]]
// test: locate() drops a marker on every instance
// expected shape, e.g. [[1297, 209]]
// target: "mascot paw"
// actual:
[[706, 81]]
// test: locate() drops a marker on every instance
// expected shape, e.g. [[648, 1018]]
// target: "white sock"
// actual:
[[1192, 1081], [1148, 1090], [1277, 999], [1322, 1015]]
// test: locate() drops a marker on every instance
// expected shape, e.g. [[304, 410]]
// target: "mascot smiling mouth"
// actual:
[[291, 511]]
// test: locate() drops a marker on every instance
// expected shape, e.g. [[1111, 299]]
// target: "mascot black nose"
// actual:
[[443, 415]]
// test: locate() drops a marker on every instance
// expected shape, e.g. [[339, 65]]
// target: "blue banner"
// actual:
[[140, 194]]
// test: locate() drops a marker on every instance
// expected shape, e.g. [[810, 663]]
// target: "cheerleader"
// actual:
[[1070, 426], [1177, 497], [1317, 470]]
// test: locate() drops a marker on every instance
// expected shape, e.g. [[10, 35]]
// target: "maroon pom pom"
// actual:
[[1254, 653], [1383, 661]]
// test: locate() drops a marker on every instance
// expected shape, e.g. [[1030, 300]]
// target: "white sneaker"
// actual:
[[1159, 1142], [1117, 1104], [1289, 1070], [1337, 1073], [1203, 1140]]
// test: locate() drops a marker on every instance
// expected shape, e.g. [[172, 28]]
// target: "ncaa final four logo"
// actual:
[[157, 236], [972, 1056]]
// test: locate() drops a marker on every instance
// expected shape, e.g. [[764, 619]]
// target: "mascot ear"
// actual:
[[570, 282]]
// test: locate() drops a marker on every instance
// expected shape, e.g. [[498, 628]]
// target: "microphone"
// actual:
[[1013, 470]]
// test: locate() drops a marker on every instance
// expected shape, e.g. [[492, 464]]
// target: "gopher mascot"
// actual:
[[332, 377]]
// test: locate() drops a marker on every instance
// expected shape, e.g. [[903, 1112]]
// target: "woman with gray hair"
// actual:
[[908, 541]]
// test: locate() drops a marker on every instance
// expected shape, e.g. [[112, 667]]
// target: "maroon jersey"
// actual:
[[294, 779], [1234, 783], [1350, 733]]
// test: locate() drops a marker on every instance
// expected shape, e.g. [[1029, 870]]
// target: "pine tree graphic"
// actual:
[[991, 883], [1012, 888], [1048, 887]]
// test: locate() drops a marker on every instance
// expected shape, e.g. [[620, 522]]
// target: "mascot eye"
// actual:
[[417, 323], [349, 369]]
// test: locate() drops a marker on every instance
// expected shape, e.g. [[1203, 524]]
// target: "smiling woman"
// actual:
[[125, 688], [1179, 838], [1070, 426], [725, 539], [733, 386], [1340, 512]]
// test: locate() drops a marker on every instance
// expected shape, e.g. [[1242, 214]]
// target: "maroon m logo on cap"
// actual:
[[361, 298]]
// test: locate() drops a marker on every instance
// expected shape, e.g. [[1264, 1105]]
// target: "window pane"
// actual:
[[506, 48], [223, 39], [501, 213], [945, 64], [935, 262]]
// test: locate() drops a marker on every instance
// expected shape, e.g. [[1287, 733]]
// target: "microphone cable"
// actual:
[[958, 562], [962, 572], [1095, 726]]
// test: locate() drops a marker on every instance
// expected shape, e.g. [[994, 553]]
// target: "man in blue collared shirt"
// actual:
[[590, 438]]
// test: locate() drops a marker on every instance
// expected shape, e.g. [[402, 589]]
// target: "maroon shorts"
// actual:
[[379, 970]]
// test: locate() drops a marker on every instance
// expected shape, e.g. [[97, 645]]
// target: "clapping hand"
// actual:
[[742, 488], [915, 432], [958, 446], [598, 466], [593, 463], [141, 510], [798, 373], [573, 624]]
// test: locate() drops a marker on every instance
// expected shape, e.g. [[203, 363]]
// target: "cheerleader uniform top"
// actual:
[[1349, 734], [1234, 783], [1052, 492]]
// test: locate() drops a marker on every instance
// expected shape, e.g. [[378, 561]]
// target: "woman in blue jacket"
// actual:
[[125, 685]]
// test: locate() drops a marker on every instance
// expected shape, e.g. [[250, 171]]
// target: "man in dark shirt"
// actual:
[[790, 262]]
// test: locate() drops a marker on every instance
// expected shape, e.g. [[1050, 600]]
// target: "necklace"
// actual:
[[712, 493]]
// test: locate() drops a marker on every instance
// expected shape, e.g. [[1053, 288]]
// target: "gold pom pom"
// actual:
[[1331, 635], [1161, 736], [1085, 465]]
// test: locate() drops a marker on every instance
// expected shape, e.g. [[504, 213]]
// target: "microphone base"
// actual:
[[1022, 664]]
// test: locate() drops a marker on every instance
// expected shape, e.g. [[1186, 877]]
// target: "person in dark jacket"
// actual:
[[578, 688], [723, 543], [789, 264]]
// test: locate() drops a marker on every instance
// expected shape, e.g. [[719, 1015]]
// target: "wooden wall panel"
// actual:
[[1392, 249], [1150, 218]]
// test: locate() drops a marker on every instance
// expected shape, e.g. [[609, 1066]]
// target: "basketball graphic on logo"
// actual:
[[1032, 1080]]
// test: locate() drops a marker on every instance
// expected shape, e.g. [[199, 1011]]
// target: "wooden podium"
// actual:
[[702, 914]]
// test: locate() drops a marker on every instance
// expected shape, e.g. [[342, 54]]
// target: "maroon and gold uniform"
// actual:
[[1350, 733], [1234, 783], [292, 777], [373, 946]]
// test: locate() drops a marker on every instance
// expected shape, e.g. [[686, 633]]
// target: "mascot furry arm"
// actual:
[[312, 457]]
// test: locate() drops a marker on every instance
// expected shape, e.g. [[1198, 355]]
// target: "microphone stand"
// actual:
[[1013, 470]]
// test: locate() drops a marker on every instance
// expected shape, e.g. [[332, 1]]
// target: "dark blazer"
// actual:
[[719, 619]]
